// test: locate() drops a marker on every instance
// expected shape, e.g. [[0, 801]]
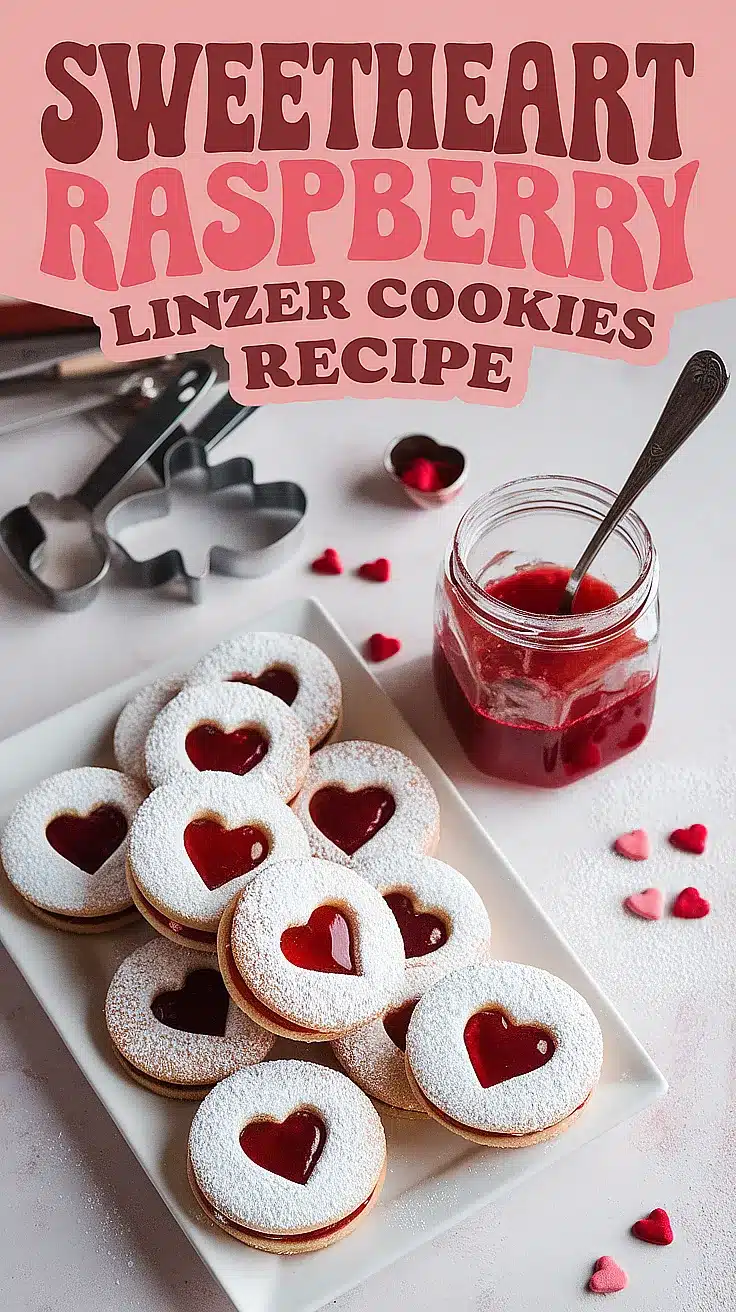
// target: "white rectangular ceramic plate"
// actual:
[[435, 1179]]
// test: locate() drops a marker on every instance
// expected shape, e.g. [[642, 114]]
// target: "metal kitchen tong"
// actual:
[[148, 439]]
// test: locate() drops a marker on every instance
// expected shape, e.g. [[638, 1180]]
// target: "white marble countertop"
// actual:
[[80, 1226]]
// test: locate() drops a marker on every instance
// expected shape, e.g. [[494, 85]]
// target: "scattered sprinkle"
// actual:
[[648, 905], [608, 1277], [691, 840], [378, 571], [328, 563], [689, 905], [655, 1228], [634, 845], [381, 647]]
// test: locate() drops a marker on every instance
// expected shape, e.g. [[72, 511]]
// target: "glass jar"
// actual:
[[533, 696]]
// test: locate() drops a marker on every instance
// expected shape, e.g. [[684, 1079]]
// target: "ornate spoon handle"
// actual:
[[698, 389]]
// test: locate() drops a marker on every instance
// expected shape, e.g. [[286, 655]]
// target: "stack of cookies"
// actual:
[[293, 887]]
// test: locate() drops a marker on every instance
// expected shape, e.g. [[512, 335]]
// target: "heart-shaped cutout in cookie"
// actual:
[[219, 854], [499, 1049], [88, 840], [351, 819], [210, 748], [200, 1007], [324, 944], [277, 680], [289, 1148], [396, 1023], [422, 931]]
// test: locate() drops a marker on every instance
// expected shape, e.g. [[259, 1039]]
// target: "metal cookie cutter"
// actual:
[[282, 501], [22, 535]]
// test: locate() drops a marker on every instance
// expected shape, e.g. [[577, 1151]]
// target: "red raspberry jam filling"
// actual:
[[306, 1236], [396, 1023], [254, 1003], [277, 680], [598, 708], [88, 840], [219, 854], [186, 931], [210, 748], [290, 1148], [422, 931], [350, 819], [323, 944], [200, 1007], [500, 1049]]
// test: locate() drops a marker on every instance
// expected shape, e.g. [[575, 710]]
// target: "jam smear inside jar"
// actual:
[[535, 697]]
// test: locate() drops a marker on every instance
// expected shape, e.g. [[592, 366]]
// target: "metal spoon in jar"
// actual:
[[698, 389]]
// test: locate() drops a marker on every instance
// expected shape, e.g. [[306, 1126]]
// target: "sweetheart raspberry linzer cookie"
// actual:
[[373, 1056], [173, 1026], [63, 849], [196, 842], [361, 801], [442, 919], [134, 724], [228, 728], [287, 1156], [503, 1054], [310, 951], [287, 666]]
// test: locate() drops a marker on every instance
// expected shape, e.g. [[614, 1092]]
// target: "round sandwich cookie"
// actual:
[[173, 1026], [362, 801], [63, 849], [289, 667], [196, 842], [503, 1054], [228, 728], [288, 1156], [310, 951], [442, 919], [134, 724], [373, 1056]]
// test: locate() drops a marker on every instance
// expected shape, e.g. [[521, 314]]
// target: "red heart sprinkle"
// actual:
[[689, 905], [381, 647], [608, 1277], [290, 1148], [328, 563], [692, 839], [378, 571], [655, 1228]]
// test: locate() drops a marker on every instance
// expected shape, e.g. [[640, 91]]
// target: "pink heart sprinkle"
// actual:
[[634, 845], [649, 904], [608, 1277]]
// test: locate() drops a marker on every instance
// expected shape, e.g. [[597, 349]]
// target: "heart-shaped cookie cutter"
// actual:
[[185, 457], [403, 451]]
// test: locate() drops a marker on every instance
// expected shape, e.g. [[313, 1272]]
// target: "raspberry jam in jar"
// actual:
[[536, 697]]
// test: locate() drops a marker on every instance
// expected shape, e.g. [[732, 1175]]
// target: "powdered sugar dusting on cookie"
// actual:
[[286, 895], [415, 823], [434, 886], [344, 1176], [318, 701], [159, 1050], [439, 1060], [371, 1058], [43, 875], [229, 706], [160, 864], [135, 720]]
